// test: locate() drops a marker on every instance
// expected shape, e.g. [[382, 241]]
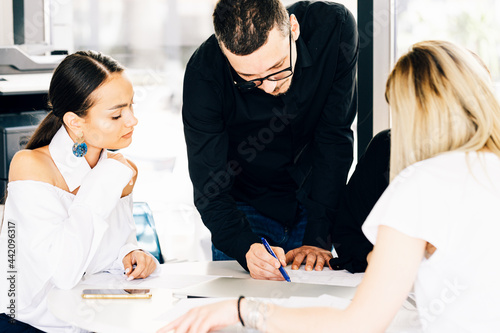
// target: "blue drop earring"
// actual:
[[79, 147]]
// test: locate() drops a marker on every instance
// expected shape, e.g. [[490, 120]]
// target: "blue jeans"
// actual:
[[276, 234]]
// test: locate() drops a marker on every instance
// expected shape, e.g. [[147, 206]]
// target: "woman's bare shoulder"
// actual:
[[132, 164], [130, 187], [33, 164]]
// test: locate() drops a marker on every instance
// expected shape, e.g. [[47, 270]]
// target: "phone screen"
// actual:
[[116, 293]]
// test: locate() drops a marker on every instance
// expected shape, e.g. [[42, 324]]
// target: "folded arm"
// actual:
[[58, 243]]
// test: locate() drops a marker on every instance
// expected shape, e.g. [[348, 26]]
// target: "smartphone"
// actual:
[[116, 293]]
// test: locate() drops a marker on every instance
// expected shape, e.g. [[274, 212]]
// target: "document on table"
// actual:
[[170, 281], [326, 276]]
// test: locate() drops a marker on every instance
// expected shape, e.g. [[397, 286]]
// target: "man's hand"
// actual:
[[262, 265], [145, 265], [312, 255]]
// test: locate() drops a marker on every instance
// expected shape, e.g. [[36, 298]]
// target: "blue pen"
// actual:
[[271, 252]]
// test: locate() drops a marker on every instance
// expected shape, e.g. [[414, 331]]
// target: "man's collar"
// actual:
[[72, 168], [303, 57]]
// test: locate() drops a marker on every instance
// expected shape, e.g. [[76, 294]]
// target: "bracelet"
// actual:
[[239, 312], [256, 314]]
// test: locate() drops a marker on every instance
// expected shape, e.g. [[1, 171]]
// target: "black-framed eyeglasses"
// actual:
[[278, 76]]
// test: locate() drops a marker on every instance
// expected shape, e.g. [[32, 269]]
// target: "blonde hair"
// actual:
[[441, 100]]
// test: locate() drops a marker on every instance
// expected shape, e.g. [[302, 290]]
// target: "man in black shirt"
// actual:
[[268, 105]]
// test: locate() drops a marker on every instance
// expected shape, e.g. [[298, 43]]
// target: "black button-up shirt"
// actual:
[[274, 152]]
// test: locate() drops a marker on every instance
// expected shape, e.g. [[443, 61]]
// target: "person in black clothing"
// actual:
[[366, 185], [8, 324], [268, 104]]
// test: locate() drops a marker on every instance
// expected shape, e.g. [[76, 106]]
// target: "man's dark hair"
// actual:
[[243, 26]]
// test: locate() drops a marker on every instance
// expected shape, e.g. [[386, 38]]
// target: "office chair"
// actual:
[[147, 236]]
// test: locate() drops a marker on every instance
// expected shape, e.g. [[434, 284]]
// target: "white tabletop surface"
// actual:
[[109, 316], [135, 315]]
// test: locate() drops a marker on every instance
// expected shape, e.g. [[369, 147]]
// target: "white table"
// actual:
[[135, 315], [109, 316]]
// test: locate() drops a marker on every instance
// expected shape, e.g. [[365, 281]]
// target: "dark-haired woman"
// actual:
[[69, 199]]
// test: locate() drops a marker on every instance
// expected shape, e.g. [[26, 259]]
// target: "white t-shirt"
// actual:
[[453, 202], [59, 236]]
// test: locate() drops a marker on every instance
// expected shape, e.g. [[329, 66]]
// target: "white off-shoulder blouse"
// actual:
[[60, 237]]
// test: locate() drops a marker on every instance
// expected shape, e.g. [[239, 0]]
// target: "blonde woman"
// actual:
[[435, 228]]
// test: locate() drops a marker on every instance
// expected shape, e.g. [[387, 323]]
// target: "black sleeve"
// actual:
[[212, 174], [333, 140], [367, 183]]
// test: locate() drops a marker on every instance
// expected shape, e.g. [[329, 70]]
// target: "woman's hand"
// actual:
[[205, 318], [368, 256], [120, 158], [145, 265]]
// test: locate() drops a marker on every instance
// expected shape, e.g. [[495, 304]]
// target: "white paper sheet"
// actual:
[[326, 276]]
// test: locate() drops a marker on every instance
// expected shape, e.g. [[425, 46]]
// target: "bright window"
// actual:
[[471, 24]]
